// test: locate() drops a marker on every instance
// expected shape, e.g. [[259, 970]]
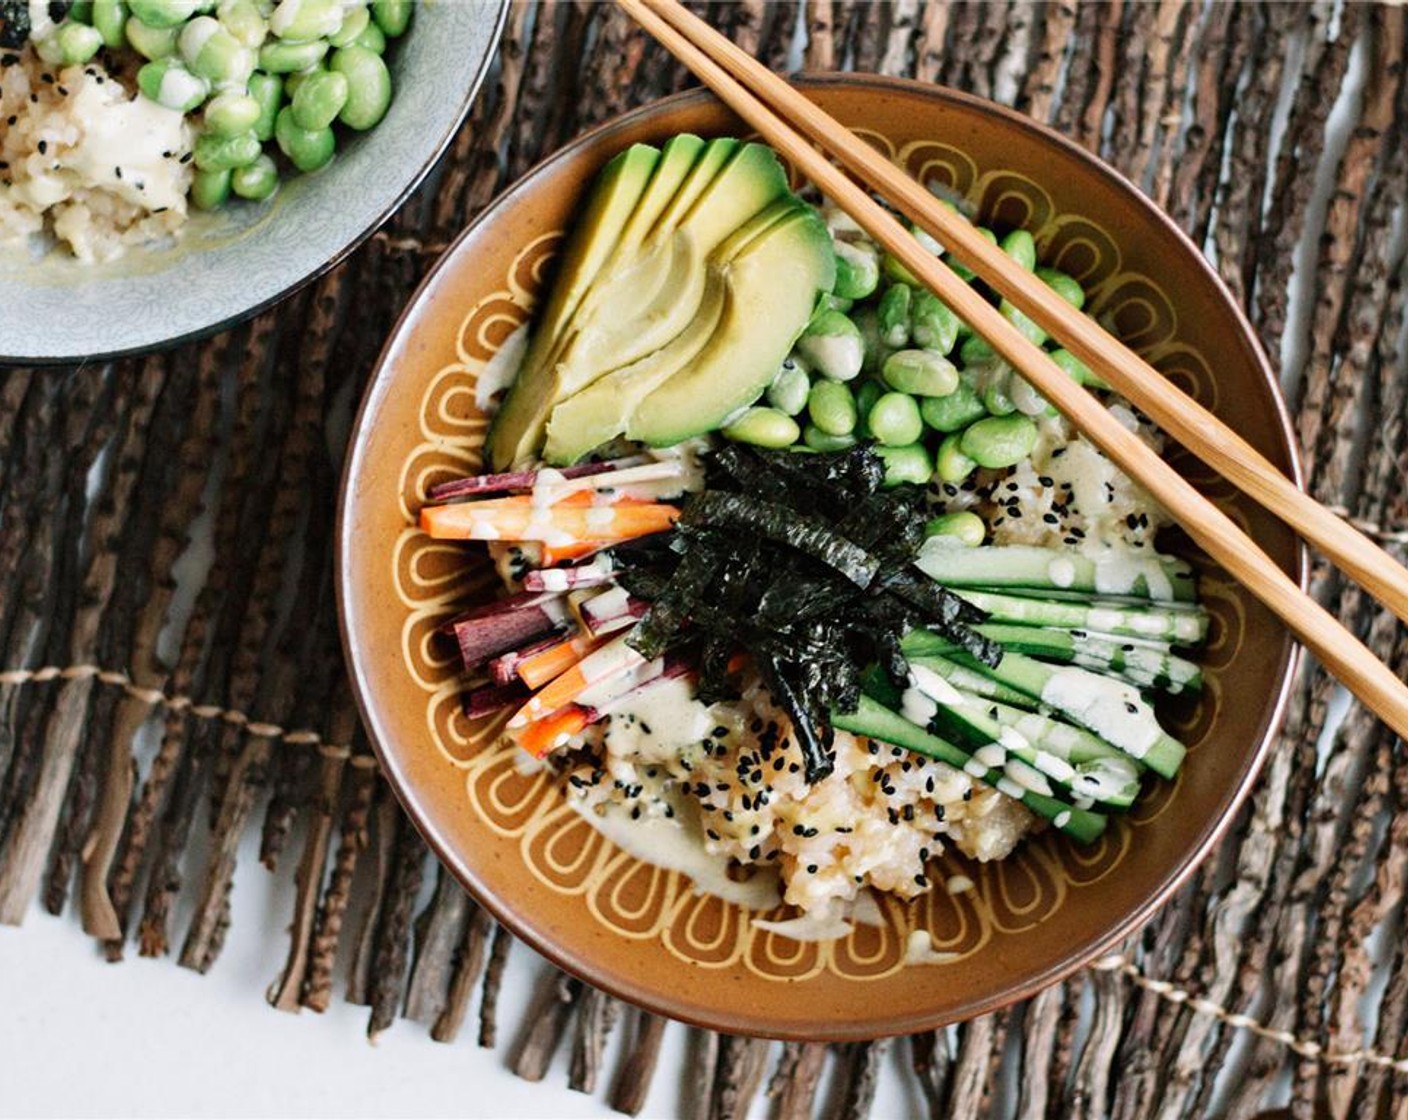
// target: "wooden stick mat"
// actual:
[[170, 667]]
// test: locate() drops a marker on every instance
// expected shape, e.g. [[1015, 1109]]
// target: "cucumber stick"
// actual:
[[1176, 625], [995, 567], [873, 719], [1142, 663], [1046, 752], [1112, 709]]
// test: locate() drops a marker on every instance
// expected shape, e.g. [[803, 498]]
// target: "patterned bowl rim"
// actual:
[[664, 1002]]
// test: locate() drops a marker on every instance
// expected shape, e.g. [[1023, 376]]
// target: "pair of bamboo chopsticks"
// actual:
[[791, 123]]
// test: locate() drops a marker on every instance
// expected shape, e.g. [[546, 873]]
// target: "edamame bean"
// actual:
[[790, 388], [230, 114], [818, 440], [1026, 400], [1020, 246], [875, 351], [280, 57], [318, 99], [1065, 286], [354, 22], [963, 527], [268, 91], [764, 427], [832, 346], [215, 54], [892, 315], [256, 181], [866, 396], [962, 270], [922, 373], [152, 43], [77, 43], [302, 20], [975, 351], [999, 441], [1030, 329], [951, 464], [957, 410], [368, 86], [243, 20], [993, 381], [169, 83], [832, 408], [909, 463], [210, 189], [110, 17], [164, 13], [225, 153], [857, 270], [894, 419], [392, 16], [932, 325], [372, 38], [1079, 372], [307, 149]]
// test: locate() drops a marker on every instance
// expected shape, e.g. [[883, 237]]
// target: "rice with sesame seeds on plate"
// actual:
[[84, 163]]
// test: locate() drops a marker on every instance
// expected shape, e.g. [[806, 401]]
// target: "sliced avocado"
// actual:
[[714, 158], [771, 286], [638, 302], [678, 159], [618, 188], [602, 410]]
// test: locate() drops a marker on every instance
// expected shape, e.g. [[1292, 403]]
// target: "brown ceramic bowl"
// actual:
[[637, 931]]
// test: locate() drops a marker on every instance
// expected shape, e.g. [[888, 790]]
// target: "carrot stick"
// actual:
[[547, 734], [553, 556], [558, 526], [550, 663], [611, 659]]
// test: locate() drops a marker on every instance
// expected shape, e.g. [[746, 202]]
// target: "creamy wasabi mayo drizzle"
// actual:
[[919, 949], [677, 844], [500, 370], [129, 148], [1105, 706]]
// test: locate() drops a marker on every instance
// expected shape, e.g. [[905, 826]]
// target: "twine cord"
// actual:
[[1115, 963]]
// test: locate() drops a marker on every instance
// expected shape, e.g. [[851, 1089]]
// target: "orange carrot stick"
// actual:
[[548, 664], [614, 657], [545, 735], [557, 526]]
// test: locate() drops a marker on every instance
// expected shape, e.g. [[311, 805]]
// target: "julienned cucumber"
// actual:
[[1047, 753], [1150, 665], [1162, 578], [878, 722], [1111, 709], [1179, 626]]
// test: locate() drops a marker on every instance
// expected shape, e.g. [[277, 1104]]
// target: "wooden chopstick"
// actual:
[[1173, 411], [1338, 650]]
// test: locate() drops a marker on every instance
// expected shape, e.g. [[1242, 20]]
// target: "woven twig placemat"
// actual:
[[192, 596]]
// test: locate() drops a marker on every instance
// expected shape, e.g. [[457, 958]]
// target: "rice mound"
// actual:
[[85, 163], [875, 822]]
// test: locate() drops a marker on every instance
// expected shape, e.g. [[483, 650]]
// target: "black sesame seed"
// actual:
[[811, 869], [43, 146]]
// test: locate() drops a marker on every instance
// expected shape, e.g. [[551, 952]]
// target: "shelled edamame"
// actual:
[[267, 83], [886, 360]]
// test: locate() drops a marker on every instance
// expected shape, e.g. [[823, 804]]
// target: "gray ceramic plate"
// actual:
[[230, 265]]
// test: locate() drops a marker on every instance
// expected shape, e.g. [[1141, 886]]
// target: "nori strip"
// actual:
[[736, 513], [14, 23], [815, 735]]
